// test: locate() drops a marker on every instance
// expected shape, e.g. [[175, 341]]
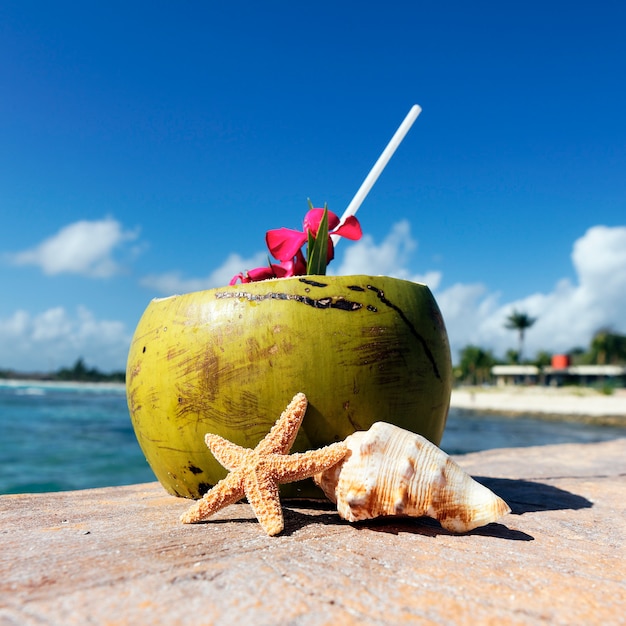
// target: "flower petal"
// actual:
[[333, 220], [283, 269], [350, 229], [260, 273], [294, 267], [299, 266], [241, 276], [330, 255], [255, 275], [284, 243], [313, 218]]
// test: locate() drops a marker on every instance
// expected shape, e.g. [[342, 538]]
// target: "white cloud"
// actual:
[[567, 316], [172, 283], [56, 338], [388, 258], [84, 247], [465, 308]]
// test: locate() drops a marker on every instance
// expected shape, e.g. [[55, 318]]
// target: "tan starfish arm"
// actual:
[[227, 491], [230, 455], [280, 439], [262, 494], [287, 469]]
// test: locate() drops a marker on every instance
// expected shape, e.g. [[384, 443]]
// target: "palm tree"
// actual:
[[607, 347], [519, 321], [475, 365]]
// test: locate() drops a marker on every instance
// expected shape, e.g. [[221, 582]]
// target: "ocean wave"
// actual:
[[39, 387], [30, 391]]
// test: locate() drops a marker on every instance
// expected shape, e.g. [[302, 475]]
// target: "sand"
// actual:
[[566, 401]]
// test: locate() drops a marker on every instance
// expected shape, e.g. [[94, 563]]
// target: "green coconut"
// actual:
[[229, 360]]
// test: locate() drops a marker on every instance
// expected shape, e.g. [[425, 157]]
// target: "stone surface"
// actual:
[[120, 556]]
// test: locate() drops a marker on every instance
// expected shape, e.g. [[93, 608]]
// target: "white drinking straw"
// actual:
[[379, 166]]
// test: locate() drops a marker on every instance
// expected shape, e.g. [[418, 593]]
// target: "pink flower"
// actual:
[[295, 267], [284, 243], [260, 273]]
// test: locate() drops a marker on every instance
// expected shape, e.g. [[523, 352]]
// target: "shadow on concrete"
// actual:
[[425, 526], [525, 496], [296, 520], [428, 527], [311, 512]]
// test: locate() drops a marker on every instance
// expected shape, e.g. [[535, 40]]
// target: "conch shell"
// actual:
[[391, 471]]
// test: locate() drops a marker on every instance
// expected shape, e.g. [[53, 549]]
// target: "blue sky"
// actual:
[[145, 148]]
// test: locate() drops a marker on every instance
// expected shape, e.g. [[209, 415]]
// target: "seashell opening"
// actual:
[[392, 471]]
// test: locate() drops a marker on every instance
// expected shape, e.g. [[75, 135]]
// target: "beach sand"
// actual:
[[575, 402]]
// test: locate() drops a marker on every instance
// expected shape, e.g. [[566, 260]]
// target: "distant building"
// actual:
[[586, 375], [515, 374], [560, 372]]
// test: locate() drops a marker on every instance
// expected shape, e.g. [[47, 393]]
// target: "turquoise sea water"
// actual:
[[63, 437]]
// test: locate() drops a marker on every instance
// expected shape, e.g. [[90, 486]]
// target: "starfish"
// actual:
[[256, 473]]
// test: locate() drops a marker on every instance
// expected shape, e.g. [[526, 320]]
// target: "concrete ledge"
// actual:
[[119, 555]]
